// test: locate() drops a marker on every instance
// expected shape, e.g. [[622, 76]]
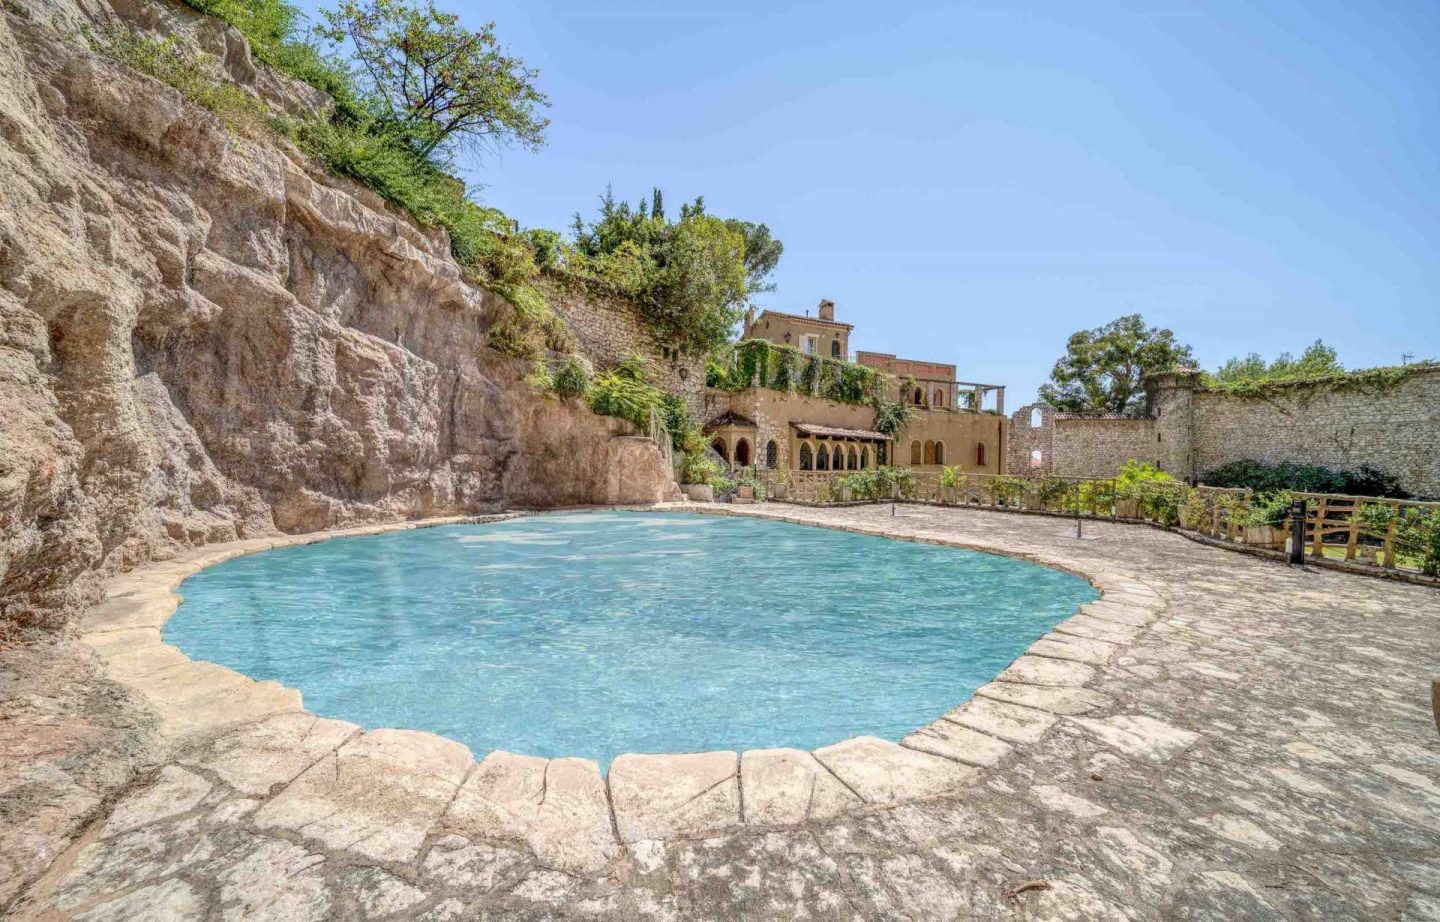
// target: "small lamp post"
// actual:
[[1295, 544]]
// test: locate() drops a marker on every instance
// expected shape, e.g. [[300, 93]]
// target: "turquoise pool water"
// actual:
[[596, 634]]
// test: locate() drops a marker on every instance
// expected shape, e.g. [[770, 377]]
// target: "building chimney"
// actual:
[[749, 321], [827, 309]]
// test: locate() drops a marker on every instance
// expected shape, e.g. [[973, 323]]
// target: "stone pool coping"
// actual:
[[379, 793]]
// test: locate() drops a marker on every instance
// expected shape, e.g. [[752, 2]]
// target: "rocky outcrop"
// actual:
[[204, 338]]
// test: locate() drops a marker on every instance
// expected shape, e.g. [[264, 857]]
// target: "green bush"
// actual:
[[1416, 530], [1266, 509], [878, 483], [1304, 478], [571, 379], [1006, 490]]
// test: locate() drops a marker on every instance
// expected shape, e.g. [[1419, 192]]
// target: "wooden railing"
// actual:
[[1405, 536]]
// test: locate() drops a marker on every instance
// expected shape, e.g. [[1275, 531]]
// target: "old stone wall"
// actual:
[[1192, 431], [1395, 431], [609, 332], [1099, 447]]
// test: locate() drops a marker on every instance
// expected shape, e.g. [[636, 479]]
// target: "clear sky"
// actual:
[[971, 182]]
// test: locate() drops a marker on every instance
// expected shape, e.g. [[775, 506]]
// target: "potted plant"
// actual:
[[952, 481], [1263, 518]]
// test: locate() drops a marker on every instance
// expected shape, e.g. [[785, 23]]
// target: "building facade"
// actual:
[[793, 430]]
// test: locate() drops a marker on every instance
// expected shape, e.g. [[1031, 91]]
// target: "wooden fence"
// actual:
[[1402, 535]]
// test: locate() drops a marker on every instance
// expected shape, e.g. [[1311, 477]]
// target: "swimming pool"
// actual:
[[597, 634]]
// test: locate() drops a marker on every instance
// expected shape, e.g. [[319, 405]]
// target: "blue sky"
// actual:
[[971, 182]]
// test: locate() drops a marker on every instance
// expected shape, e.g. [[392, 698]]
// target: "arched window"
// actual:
[[1037, 419], [939, 399], [720, 449], [807, 457], [822, 459], [864, 457], [916, 455], [834, 348], [939, 452], [771, 451], [853, 461], [1037, 458], [917, 397], [881, 453], [979, 454], [742, 453], [929, 453]]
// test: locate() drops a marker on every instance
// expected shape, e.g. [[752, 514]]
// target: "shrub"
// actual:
[[1005, 490], [1266, 509], [571, 379], [878, 483], [625, 391], [1304, 478], [952, 478], [1416, 530]]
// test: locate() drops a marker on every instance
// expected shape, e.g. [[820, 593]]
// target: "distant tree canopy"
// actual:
[[438, 81], [1319, 360], [691, 277], [1103, 369]]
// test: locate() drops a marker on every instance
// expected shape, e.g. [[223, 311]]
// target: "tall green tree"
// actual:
[[1318, 360], [1103, 369], [691, 277], [437, 82]]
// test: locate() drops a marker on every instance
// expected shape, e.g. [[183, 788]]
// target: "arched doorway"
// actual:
[[864, 458], [939, 452], [929, 452], [980, 454], [807, 457], [771, 453], [938, 399], [721, 449], [917, 397], [742, 452], [834, 348], [916, 453], [822, 458]]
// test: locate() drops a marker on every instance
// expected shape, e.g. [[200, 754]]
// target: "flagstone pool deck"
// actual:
[[1218, 737]]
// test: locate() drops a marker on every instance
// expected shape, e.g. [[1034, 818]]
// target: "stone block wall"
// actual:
[[609, 332], [1397, 432], [1099, 447], [1192, 431]]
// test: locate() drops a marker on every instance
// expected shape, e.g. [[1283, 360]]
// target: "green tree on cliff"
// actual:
[[435, 81], [1103, 369]]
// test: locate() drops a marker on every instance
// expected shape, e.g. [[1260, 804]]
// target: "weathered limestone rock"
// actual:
[[1056, 700], [174, 792], [960, 743], [881, 772], [663, 796], [556, 806], [377, 796], [255, 759], [1037, 670], [205, 339], [1097, 629], [787, 786], [1139, 736], [1009, 722]]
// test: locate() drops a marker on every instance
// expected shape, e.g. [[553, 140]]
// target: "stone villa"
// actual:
[[793, 430]]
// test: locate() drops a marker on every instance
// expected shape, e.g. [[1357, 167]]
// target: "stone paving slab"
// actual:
[[1055, 700], [664, 796], [880, 772], [785, 787], [959, 743], [1009, 722], [257, 758], [558, 807], [377, 796], [1039, 670]]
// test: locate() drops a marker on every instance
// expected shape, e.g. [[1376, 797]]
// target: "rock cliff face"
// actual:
[[204, 338]]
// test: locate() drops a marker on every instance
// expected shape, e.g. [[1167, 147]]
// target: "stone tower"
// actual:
[[1171, 399]]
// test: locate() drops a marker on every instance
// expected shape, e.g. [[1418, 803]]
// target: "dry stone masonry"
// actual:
[[1192, 430]]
